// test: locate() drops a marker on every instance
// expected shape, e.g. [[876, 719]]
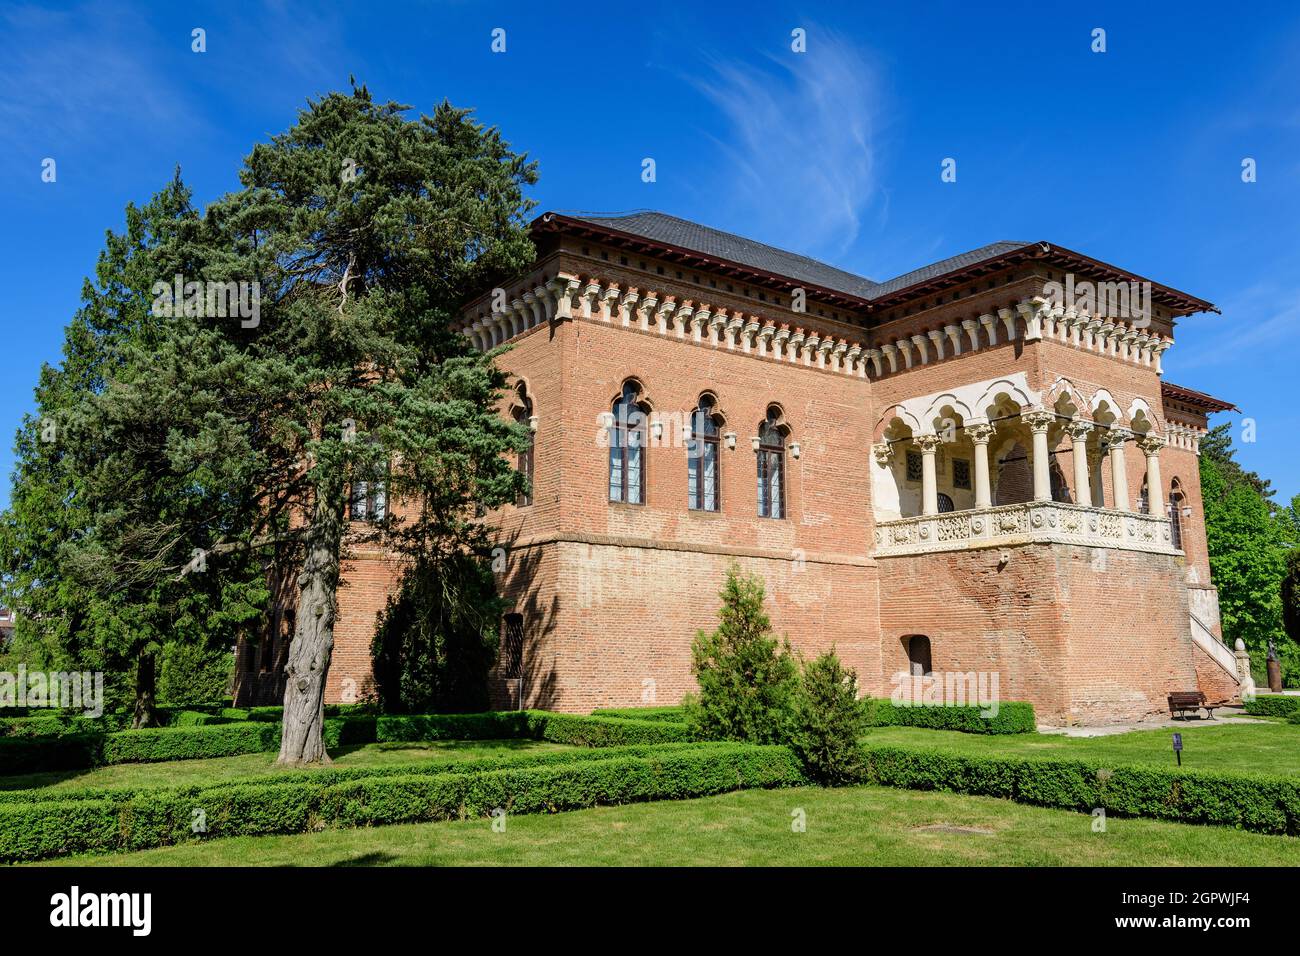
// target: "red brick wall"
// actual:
[[614, 594], [1069, 629]]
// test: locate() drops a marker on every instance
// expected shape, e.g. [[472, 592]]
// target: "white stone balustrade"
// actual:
[[1030, 522]]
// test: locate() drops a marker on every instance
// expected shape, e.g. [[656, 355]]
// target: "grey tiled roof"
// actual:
[[660, 227], [944, 266]]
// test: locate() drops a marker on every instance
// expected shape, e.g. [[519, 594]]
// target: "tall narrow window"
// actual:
[[771, 467], [702, 458], [512, 647], [369, 497], [523, 414], [1176, 514], [627, 443]]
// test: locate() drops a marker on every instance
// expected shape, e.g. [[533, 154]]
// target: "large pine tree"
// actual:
[[363, 231]]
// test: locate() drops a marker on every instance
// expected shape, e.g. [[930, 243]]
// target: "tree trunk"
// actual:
[[146, 674], [302, 739]]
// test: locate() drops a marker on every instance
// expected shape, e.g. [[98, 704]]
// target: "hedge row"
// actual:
[[1013, 717], [672, 715], [335, 774], [35, 831], [1265, 804], [82, 750], [1273, 705], [595, 731], [77, 751]]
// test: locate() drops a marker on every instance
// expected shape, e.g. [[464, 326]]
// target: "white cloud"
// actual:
[[73, 75], [797, 142]]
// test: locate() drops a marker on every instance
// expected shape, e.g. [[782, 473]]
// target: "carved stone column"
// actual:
[[1118, 467], [929, 444], [1079, 430], [980, 434], [1151, 445], [1038, 421]]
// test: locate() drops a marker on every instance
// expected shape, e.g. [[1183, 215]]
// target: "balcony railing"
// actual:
[[1030, 522]]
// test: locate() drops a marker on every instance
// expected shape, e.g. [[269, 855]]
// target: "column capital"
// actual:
[[1150, 444], [980, 432], [1117, 436], [927, 443], [884, 453], [1079, 428], [1038, 419]]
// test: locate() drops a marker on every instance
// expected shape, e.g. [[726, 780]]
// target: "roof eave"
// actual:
[[557, 222], [1181, 303]]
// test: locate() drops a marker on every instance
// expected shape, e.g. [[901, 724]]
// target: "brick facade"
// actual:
[[611, 594]]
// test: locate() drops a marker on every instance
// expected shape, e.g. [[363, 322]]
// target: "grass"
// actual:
[[854, 826], [216, 770], [1263, 746]]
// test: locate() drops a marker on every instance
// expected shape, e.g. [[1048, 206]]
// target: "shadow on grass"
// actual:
[[366, 859]]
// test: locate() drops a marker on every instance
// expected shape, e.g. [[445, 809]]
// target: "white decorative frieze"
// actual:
[[1031, 522]]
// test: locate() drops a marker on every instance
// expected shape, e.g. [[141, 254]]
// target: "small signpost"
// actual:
[[1178, 748]]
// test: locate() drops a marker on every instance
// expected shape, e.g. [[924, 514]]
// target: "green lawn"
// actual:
[[852, 826], [1266, 746], [179, 773]]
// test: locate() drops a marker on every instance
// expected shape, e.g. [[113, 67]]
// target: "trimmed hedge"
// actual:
[[204, 739], [1013, 717], [41, 830], [1273, 705], [1258, 802], [336, 774], [672, 715], [79, 751], [603, 731], [505, 725]]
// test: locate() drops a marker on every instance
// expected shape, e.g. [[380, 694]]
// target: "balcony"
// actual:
[[1030, 522]]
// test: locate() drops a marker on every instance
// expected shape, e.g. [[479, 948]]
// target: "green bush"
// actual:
[[828, 721], [672, 715], [45, 829], [1013, 717], [82, 750], [746, 678], [1272, 705], [506, 725], [190, 674], [585, 731], [201, 736], [1258, 802], [332, 773]]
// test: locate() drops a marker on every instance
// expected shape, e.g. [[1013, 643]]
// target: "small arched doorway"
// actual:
[[918, 655]]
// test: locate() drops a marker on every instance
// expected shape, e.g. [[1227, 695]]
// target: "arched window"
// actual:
[[771, 466], [522, 412], [702, 483], [1176, 502], [627, 444], [918, 655], [945, 504]]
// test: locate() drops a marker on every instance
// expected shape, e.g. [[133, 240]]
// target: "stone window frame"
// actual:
[[706, 409], [770, 454], [622, 426]]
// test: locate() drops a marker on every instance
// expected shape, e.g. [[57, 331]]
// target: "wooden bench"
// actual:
[[1182, 701]]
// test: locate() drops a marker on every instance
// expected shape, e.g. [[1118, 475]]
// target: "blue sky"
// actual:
[[1132, 156]]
